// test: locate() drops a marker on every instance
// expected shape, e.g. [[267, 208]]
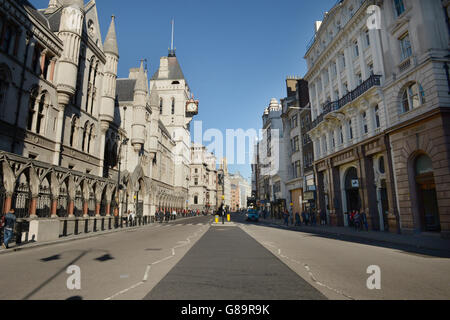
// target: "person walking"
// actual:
[[297, 220], [323, 217], [357, 221], [10, 221], [286, 218], [364, 221], [304, 218], [2, 227]]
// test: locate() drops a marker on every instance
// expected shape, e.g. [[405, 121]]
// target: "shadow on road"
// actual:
[[83, 253]]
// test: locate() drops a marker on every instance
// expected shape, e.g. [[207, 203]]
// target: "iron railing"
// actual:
[[372, 81]]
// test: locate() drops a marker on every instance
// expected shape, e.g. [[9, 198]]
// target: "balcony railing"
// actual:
[[374, 80]]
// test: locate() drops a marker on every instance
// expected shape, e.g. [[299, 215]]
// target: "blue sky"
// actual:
[[235, 54]]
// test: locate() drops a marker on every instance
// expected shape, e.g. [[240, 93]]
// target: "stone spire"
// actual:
[[110, 45], [141, 83], [53, 5]]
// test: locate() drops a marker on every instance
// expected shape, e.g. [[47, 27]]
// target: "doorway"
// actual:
[[426, 195], [352, 197]]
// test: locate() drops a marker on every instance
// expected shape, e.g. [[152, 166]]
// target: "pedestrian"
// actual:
[[286, 218], [323, 217], [313, 218], [308, 217], [364, 221], [2, 227], [297, 220], [265, 213], [304, 218], [357, 220], [10, 221]]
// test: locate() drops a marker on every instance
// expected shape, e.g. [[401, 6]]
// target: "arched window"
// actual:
[[85, 136], [424, 165], [73, 131], [91, 133], [91, 64], [365, 126], [413, 97], [31, 105], [40, 115], [94, 90], [36, 113], [161, 106], [195, 199], [173, 105], [350, 130], [377, 117]]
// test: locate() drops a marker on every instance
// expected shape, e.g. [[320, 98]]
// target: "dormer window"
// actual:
[[175, 82]]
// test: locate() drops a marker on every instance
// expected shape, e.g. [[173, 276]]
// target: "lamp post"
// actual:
[[123, 143]]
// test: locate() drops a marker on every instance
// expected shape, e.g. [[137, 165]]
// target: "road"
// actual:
[[191, 259]]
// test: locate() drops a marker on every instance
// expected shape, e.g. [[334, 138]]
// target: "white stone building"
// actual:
[[203, 187], [364, 86]]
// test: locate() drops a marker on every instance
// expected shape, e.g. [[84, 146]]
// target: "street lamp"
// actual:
[[119, 187]]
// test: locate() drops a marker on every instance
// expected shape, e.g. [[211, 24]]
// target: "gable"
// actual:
[[92, 25]]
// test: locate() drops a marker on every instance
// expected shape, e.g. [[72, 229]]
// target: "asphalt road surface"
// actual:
[[191, 260]]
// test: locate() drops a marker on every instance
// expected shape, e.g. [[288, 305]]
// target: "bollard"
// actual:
[[217, 219], [228, 217]]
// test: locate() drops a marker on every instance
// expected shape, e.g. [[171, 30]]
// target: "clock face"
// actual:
[[192, 107]]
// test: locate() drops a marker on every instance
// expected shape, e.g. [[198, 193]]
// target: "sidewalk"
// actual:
[[30, 245], [419, 241]]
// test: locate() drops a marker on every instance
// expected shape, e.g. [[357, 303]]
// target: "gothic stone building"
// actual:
[[57, 84]]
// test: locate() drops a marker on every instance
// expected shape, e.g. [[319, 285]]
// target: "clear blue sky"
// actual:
[[235, 54]]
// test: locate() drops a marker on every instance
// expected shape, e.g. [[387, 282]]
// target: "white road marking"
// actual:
[[307, 268], [146, 273], [148, 267]]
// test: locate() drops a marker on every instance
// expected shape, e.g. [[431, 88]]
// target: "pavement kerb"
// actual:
[[356, 236], [82, 237]]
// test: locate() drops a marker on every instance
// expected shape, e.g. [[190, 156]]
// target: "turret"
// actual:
[[70, 29], [139, 110], [155, 107], [110, 75]]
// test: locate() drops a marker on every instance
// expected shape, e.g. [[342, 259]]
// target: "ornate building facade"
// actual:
[[203, 187], [57, 104], [377, 97], [72, 135]]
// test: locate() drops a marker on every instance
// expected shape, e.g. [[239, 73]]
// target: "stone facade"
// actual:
[[203, 186], [377, 96], [73, 135]]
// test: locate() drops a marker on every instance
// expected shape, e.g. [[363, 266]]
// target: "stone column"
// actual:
[[103, 129], [97, 209], [8, 202], [85, 208], [317, 100], [339, 80], [70, 207], [330, 81], [59, 135], [108, 209], [33, 206], [349, 68], [54, 211], [362, 62]]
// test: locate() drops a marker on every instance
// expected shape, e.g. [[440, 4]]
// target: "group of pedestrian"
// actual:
[[7, 224], [358, 220]]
